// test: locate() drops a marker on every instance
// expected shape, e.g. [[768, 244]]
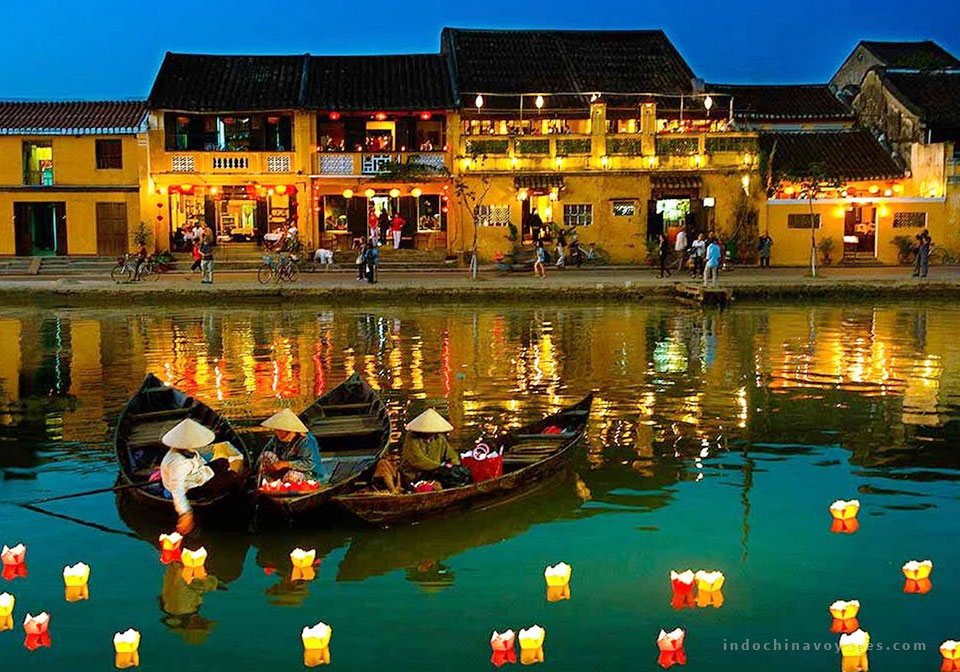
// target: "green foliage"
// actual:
[[677, 146], [626, 146], [825, 247], [142, 235], [394, 171], [572, 146], [533, 146], [477, 148]]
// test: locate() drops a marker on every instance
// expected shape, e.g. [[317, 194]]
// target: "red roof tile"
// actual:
[[71, 117]]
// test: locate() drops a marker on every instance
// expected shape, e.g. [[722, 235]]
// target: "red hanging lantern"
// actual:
[[426, 116], [380, 116], [334, 116]]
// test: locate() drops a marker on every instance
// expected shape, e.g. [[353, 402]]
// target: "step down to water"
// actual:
[[704, 296], [34, 268]]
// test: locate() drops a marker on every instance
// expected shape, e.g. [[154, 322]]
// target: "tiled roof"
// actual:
[[935, 98], [72, 117], [926, 55], [850, 154], [202, 83], [410, 82], [551, 61], [783, 102]]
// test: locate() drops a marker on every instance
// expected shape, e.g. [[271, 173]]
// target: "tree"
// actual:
[[471, 200], [811, 183]]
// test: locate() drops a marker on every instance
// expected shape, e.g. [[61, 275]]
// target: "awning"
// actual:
[[676, 181], [542, 182]]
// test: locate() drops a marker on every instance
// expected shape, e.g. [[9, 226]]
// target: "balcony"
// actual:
[[356, 164], [538, 153], [225, 163]]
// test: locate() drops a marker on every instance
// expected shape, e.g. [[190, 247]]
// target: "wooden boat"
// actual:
[[531, 457], [152, 412], [352, 426]]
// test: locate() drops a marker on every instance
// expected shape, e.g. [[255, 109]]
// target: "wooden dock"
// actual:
[[703, 296]]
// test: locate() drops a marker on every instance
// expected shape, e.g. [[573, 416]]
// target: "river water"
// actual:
[[716, 441]]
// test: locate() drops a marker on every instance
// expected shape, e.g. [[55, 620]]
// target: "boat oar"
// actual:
[[79, 521], [117, 488]]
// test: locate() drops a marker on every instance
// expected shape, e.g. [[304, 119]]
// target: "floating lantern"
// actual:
[[557, 575], [316, 644], [682, 584], [853, 649], [301, 558], [194, 559], [845, 510], [126, 645], [670, 645], [950, 650], [503, 644], [917, 569], [848, 526], [531, 645], [170, 545], [709, 581], [37, 630], [7, 602], [77, 575], [14, 562], [844, 614]]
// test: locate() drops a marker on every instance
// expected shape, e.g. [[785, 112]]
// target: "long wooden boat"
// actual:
[[531, 456], [152, 412], [352, 426]]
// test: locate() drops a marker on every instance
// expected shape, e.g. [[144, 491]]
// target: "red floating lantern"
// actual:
[[36, 629]]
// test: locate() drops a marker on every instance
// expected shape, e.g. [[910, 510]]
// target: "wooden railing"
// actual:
[[373, 163], [225, 162]]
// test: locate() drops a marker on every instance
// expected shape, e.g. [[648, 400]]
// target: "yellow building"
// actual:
[[70, 177]]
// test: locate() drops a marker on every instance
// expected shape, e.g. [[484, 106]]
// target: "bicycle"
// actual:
[[126, 269], [282, 269]]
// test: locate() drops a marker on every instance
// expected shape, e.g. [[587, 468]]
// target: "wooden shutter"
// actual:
[[354, 133], [112, 233], [408, 210], [21, 222], [654, 220], [60, 213], [357, 216]]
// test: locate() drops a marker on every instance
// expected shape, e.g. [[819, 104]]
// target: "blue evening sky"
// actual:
[[97, 48]]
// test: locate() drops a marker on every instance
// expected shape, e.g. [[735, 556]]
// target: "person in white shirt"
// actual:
[[197, 232], [680, 247], [699, 247], [186, 475]]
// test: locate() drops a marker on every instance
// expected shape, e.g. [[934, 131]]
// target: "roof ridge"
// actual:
[[71, 101]]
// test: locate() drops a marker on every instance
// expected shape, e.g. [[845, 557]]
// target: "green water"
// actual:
[[717, 441]]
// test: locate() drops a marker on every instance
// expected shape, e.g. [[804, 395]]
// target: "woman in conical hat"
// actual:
[[426, 450], [186, 475], [292, 454]]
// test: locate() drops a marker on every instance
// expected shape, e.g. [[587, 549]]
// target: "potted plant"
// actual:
[[826, 250], [905, 248]]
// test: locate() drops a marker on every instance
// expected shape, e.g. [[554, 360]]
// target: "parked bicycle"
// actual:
[[279, 269], [126, 269]]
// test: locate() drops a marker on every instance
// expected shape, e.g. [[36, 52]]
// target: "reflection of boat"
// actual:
[[273, 556], [423, 550], [352, 425], [155, 409], [531, 454]]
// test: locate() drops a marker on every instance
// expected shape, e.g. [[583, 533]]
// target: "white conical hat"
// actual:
[[188, 435], [429, 422], [287, 421]]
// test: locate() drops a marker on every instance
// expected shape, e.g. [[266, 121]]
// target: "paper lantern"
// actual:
[[503, 645], [845, 510], [301, 558], [950, 650], [369, 193], [917, 569], [316, 644], [348, 193], [709, 581], [394, 193], [848, 526], [854, 644], [7, 602], [557, 575], [682, 581], [918, 586], [37, 631], [126, 646], [844, 614], [170, 545], [77, 575], [13, 556], [194, 559], [281, 189], [670, 645], [416, 192], [478, 101], [532, 637]]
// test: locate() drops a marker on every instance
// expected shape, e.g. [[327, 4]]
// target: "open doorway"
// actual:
[[41, 229]]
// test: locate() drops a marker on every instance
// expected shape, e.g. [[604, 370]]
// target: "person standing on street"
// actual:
[[396, 229], [538, 264], [664, 254], [923, 255], [561, 249], [712, 267], [765, 244], [206, 262], [680, 246], [372, 257], [699, 247]]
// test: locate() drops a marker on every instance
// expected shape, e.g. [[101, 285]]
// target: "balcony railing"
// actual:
[[373, 163], [225, 162]]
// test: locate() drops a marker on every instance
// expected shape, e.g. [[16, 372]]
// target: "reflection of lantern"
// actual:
[[126, 645], [709, 581], [918, 586], [37, 630], [670, 645], [301, 558], [170, 547], [709, 598], [845, 510], [848, 526], [531, 644], [844, 616], [7, 602], [950, 650], [316, 644], [503, 644], [303, 574], [558, 593], [917, 570]]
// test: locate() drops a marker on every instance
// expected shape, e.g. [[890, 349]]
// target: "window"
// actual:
[[624, 208], [909, 220], [802, 221], [334, 213], [109, 154], [578, 215], [38, 164], [492, 215], [233, 133]]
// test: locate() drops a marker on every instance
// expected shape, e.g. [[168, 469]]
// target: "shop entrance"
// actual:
[[41, 229], [668, 215], [543, 205], [860, 231]]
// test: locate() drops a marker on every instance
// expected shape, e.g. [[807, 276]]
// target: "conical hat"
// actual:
[[188, 435], [429, 422], [287, 421]]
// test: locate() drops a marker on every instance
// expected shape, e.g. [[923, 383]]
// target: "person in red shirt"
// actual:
[[396, 228], [374, 228]]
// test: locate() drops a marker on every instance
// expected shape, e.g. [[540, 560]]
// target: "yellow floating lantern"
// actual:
[[709, 581], [194, 559], [917, 570], [77, 575], [531, 645], [126, 645], [316, 644], [845, 510], [950, 650], [301, 558], [844, 614], [7, 602], [854, 644], [558, 574]]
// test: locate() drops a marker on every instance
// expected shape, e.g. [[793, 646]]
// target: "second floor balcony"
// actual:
[[355, 164], [225, 163]]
